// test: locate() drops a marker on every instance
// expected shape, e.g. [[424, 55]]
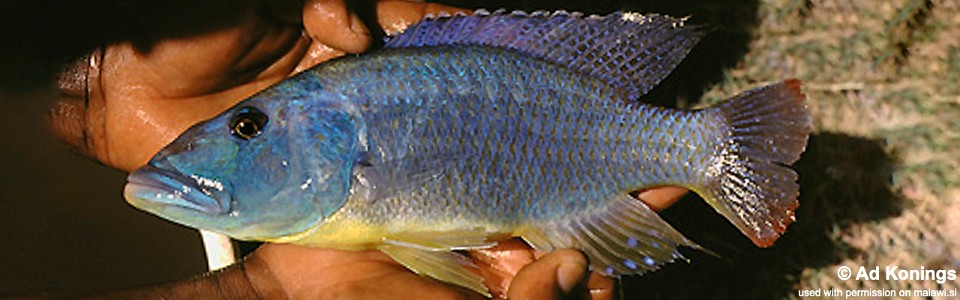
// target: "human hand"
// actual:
[[308, 273], [139, 95]]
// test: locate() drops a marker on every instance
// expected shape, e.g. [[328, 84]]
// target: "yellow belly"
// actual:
[[339, 231]]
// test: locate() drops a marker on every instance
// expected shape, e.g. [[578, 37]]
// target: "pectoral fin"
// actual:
[[383, 179], [446, 266], [625, 237]]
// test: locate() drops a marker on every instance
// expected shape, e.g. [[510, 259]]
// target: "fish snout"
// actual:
[[151, 186]]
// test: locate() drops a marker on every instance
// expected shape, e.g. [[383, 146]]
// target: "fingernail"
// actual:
[[569, 275]]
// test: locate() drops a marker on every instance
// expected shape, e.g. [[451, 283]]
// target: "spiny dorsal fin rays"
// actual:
[[631, 51]]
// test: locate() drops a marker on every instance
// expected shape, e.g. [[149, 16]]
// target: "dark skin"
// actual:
[[141, 99]]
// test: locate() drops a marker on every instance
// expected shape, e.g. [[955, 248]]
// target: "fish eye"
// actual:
[[248, 123]]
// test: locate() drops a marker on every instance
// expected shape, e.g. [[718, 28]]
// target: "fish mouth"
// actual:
[[152, 187]]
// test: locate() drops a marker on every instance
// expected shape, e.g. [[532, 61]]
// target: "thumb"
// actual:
[[553, 276], [331, 23]]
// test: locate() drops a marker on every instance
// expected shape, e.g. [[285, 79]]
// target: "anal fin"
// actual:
[[446, 266], [623, 238]]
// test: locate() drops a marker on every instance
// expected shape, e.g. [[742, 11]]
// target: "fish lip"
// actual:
[[150, 186]]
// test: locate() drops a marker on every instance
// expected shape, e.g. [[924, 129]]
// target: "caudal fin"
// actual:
[[749, 181]]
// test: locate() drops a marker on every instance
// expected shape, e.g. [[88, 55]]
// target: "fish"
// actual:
[[465, 130]]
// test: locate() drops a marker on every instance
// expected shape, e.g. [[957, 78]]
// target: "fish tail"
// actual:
[[748, 180]]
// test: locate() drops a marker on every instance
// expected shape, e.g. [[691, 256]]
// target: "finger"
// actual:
[[601, 287], [597, 287], [499, 264], [335, 30], [330, 23], [318, 53], [68, 116], [78, 117], [555, 275], [395, 15], [661, 197]]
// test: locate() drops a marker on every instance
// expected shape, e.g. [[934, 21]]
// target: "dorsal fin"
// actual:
[[629, 50]]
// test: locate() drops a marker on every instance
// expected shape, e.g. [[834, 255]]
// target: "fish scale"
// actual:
[[588, 134]]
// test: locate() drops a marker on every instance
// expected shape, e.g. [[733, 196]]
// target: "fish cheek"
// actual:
[[269, 162], [274, 191], [223, 160]]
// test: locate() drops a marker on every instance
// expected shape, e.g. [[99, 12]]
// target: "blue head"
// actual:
[[270, 167]]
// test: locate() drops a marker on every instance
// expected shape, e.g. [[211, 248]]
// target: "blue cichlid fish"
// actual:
[[465, 130]]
